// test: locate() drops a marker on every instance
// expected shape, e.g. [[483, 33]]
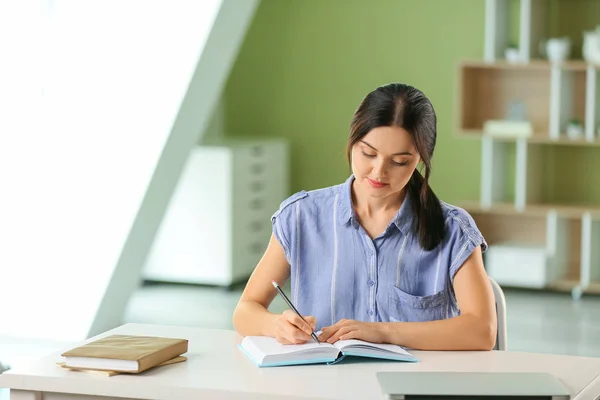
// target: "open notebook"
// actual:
[[265, 351]]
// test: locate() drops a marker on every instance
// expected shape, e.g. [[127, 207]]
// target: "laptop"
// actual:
[[471, 385]]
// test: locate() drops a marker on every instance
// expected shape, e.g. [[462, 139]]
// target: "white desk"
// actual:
[[217, 369]]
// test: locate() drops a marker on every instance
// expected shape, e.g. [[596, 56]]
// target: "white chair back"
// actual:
[[502, 336]]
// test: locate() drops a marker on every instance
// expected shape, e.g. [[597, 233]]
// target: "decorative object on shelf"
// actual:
[[556, 50], [507, 129], [514, 124], [591, 46], [574, 129], [511, 53], [516, 110]]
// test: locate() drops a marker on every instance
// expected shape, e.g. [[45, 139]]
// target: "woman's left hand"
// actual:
[[351, 329]]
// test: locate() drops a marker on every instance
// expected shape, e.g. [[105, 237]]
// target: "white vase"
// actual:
[[591, 46], [574, 131], [512, 55], [557, 50]]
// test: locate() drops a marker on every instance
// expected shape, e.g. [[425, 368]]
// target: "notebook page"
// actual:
[[354, 343], [269, 345]]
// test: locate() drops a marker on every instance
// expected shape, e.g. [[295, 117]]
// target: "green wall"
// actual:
[[306, 64]]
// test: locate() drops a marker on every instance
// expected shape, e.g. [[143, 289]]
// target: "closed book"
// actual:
[[103, 372], [125, 353]]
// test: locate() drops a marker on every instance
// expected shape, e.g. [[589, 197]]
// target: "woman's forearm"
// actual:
[[465, 332], [253, 319]]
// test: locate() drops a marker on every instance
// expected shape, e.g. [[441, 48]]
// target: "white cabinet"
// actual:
[[217, 225]]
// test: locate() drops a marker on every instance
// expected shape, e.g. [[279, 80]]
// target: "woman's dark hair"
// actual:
[[401, 105]]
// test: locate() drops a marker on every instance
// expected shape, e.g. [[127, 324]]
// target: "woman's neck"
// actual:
[[370, 206]]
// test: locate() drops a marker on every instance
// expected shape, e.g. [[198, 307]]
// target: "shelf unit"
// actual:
[[514, 212], [552, 94]]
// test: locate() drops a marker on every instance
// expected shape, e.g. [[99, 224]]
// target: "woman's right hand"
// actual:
[[291, 329]]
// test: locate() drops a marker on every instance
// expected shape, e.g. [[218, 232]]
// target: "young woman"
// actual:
[[379, 257]]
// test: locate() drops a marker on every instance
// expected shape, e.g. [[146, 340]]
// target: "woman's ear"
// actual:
[[420, 165], [352, 153]]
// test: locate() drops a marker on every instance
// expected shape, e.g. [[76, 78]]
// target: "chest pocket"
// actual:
[[405, 307]]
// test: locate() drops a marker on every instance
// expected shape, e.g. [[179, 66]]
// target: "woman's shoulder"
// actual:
[[455, 213], [460, 223], [310, 199], [303, 208], [462, 237]]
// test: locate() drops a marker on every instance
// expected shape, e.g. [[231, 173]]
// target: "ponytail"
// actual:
[[429, 218]]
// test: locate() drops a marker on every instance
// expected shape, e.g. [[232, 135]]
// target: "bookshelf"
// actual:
[[518, 209]]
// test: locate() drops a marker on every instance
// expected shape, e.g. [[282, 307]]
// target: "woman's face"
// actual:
[[383, 161]]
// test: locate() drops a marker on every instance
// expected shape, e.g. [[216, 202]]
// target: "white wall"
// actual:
[[100, 103]]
